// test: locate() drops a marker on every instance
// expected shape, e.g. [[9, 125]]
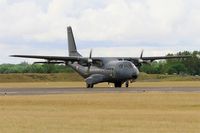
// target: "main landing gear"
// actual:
[[119, 84], [89, 85]]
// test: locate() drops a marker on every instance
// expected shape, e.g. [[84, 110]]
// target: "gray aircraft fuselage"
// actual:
[[113, 71]]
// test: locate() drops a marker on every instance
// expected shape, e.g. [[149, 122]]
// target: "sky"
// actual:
[[109, 27]]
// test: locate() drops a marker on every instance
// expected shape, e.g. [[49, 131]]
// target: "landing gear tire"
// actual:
[[127, 84], [118, 85], [90, 86]]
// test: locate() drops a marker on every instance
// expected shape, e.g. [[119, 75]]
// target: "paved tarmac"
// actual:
[[45, 91]]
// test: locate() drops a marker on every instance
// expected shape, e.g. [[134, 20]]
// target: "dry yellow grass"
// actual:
[[82, 84], [99, 113], [73, 77]]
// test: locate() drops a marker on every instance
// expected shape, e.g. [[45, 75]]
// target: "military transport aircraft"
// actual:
[[94, 70]]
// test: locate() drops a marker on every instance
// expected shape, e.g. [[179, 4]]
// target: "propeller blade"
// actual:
[[90, 58], [88, 69], [140, 60], [90, 54], [89, 61], [141, 55]]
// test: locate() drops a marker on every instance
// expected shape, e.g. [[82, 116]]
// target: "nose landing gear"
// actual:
[[127, 84], [119, 84]]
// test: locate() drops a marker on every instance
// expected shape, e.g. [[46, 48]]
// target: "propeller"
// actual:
[[141, 54], [90, 61], [140, 60]]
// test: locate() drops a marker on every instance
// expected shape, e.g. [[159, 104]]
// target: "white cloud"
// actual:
[[171, 25], [20, 20], [115, 20]]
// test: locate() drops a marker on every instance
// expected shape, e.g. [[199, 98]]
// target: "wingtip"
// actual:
[[13, 56]]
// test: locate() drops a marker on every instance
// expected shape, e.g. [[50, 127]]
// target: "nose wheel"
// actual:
[[127, 84]]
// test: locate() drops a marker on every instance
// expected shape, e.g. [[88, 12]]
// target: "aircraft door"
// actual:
[[112, 72]]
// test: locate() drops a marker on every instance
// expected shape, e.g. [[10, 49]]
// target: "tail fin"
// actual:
[[71, 43]]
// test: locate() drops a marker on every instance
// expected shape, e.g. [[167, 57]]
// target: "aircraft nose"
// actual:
[[126, 70], [135, 72]]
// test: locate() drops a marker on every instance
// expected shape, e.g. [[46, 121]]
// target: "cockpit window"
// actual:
[[130, 65], [126, 65], [121, 66]]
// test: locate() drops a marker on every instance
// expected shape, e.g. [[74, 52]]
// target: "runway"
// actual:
[[46, 91]]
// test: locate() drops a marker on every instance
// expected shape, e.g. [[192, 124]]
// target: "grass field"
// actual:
[[99, 113], [35, 77], [74, 77]]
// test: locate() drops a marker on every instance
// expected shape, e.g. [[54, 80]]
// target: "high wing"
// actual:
[[66, 59], [164, 57], [155, 58], [50, 58], [147, 60]]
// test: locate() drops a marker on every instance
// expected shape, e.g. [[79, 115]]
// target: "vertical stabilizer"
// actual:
[[71, 43]]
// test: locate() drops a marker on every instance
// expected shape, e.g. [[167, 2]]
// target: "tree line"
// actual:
[[24, 67], [189, 66]]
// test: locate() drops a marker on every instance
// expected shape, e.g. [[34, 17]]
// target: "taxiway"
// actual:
[[45, 91]]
